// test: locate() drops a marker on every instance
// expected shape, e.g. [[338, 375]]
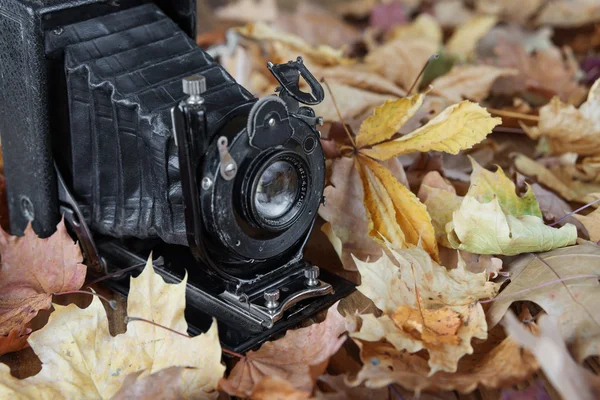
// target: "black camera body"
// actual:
[[114, 118]]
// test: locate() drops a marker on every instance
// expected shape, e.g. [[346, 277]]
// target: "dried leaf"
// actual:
[[275, 388], [423, 27], [307, 352], [323, 55], [591, 223], [574, 303], [32, 270], [412, 295], [351, 102], [498, 362], [394, 212], [82, 360], [401, 60], [569, 129], [509, 10], [249, 11], [456, 128], [387, 119], [483, 228], [353, 75], [569, 13], [568, 378], [464, 40], [547, 72], [440, 206], [469, 82], [163, 385], [571, 190], [14, 341]]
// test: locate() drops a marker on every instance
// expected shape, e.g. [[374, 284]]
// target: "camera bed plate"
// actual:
[[237, 332]]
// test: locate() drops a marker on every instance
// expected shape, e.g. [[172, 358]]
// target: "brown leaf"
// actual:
[[351, 102], [345, 211], [355, 76], [495, 363], [469, 82], [32, 270], [568, 378], [14, 341], [591, 223], [569, 13], [547, 72], [275, 388], [574, 302], [307, 352], [161, 385], [341, 391], [557, 180], [509, 10], [249, 11], [401, 60], [570, 129]]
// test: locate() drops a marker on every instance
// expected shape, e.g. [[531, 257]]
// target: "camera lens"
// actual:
[[277, 190]]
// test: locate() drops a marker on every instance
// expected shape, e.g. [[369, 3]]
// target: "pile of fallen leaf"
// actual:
[[463, 155]]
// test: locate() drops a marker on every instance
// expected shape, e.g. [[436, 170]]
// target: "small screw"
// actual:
[[271, 121], [206, 183], [311, 274], [320, 121], [271, 296]]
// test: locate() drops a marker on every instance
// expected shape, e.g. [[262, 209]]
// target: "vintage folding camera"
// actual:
[[114, 118]]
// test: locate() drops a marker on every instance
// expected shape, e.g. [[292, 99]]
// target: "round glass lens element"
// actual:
[[276, 190]]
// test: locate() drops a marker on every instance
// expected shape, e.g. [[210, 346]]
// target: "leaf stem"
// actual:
[[575, 212], [111, 303], [339, 114], [117, 273], [434, 56], [570, 278], [513, 114], [133, 319]]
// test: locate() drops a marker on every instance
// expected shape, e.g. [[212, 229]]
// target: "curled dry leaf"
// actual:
[[323, 55], [570, 129], [509, 10], [14, 341], [556, 180], [568, 378], [307, 352], [339, 390], [470, 82], [549, 72], [573, 302], [32, 270], [569, 13], [463, 42], [591, 223], [401, 60], [82, 360], [425, 306], [497, 362]]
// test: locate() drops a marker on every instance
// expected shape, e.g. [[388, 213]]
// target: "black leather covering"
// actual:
[[123, 75]]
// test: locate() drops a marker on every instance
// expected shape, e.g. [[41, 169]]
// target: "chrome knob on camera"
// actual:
[[271, 298], [194, 86], [312, 276]]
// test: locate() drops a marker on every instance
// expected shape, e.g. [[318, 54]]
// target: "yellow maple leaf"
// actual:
[[82, 360], [425, 306]]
